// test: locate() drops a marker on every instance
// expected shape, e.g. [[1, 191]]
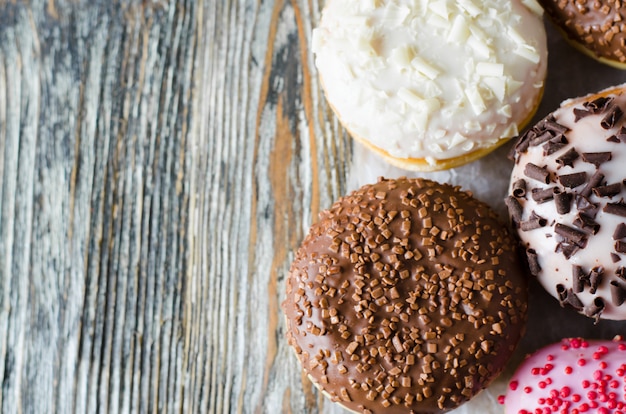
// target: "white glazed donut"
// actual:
[[573, 376], [431, 84], [566, 199]]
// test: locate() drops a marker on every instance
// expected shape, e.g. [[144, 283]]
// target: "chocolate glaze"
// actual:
[[594, 24], [407, 296]]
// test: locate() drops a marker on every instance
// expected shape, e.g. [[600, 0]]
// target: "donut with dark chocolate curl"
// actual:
[[405, 297], [595, 27], [571, 218]]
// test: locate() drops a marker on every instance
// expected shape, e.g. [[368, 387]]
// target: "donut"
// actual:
[[573, 376], [566, 200], [430, 85], [595, 27], [405, 297]]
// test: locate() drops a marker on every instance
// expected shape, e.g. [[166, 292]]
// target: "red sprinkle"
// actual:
[[501, 399], [582, 362], [568, 370], [528, 390], [565, 391], [513, 385]]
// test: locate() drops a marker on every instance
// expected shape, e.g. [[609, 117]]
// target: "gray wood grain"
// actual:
[[159, 163]]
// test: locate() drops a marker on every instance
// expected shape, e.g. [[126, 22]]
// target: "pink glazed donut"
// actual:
[[573, 376]]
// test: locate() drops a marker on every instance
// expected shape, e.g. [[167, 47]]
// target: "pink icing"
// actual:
[[573, 376]]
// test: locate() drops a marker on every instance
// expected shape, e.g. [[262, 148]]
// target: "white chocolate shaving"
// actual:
[[505, 110], [395, 15], [459, 32], [533, 6], [489, 69], [402, 56], [527, 52], [475, 99], [479, 46], [424, 67], [470, 8], [410, 97], [497, 85], [457, 139], [440, 8]]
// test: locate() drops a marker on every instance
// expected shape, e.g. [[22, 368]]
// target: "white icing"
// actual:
[[586, 135], [399, 72]]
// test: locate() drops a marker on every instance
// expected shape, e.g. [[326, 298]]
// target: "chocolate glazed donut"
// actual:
[[405, 297]]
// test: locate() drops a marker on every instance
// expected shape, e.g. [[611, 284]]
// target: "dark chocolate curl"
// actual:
[[570, 234], [615, 257], [596, 158], [563, 201], [515, 209], [594, 181], [621, 135], [568, 158], [595, 278], [580, 114], [533, 262], [618, 293], [579, 279], [587, 207], [598, 105], [612, 118], [573, 180], [537, 173], [540, 139], [533, 222], [541, 195], [586, 223], [620, 246], [568, 249], [595, 309], [568, 297], [619, 209], [519, 188], [553, 146], [621, 273], [610, 190], [620, 231]]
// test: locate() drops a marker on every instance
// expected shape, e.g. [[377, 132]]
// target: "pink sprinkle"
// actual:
[[565, 391]]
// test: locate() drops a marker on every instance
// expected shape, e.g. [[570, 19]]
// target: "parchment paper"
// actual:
[[570, 74]]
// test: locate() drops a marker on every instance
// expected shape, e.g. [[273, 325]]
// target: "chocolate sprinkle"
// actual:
[[610, 190], [519, 188], [618, 293], [619, 209], [573, 180], [596, 158], [537, 173], [612, 118], [620, 231], [586, 223], [568, 158], [541, 195], [563, 201]]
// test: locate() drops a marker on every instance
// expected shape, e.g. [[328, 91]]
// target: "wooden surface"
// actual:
[[159, 162]]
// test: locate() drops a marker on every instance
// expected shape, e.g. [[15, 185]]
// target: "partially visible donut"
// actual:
[[596, 27], [567, 200], [573, 376], [405, 297], [430, 85]]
